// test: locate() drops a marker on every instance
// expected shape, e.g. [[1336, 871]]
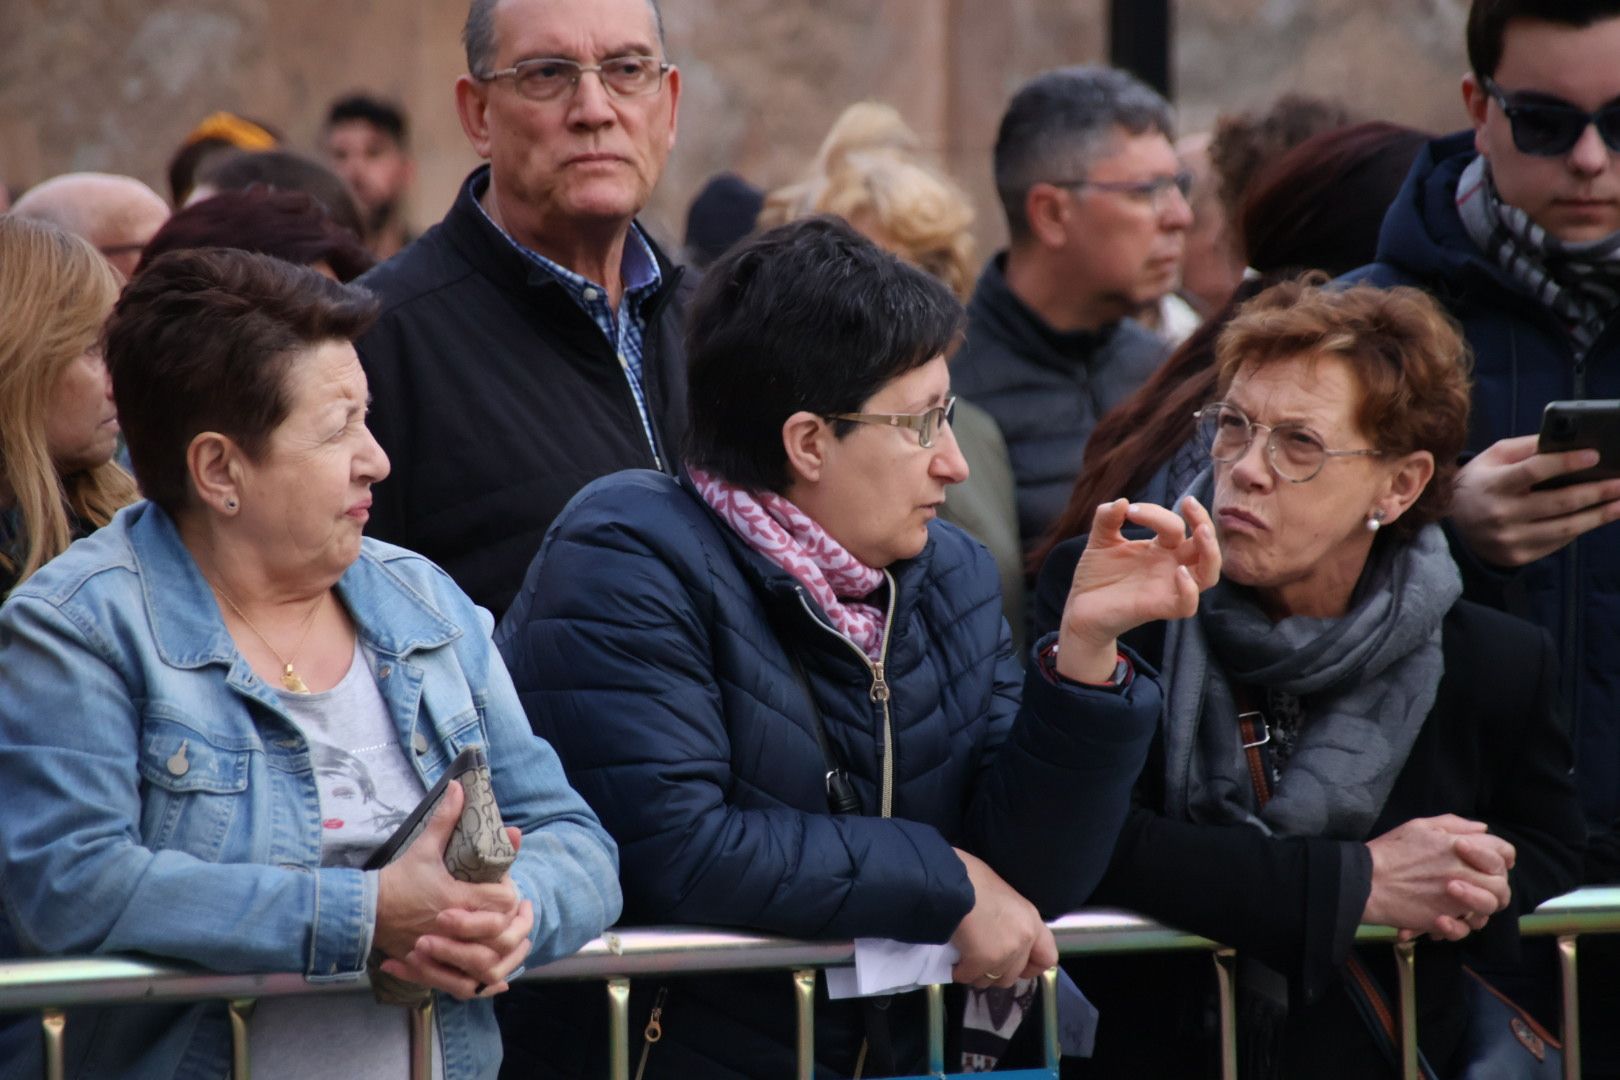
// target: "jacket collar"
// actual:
[[995, 304], [390, 616], [477, 239]]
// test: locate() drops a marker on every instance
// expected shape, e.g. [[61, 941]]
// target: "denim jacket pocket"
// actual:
[[193, 786]]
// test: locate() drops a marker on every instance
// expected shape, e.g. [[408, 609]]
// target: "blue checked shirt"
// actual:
[[625, 331]]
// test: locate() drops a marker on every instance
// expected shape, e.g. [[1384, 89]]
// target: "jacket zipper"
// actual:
[[653, 1031], [878, 692]]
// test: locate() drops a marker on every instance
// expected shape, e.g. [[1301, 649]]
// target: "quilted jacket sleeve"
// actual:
[[609, 648]]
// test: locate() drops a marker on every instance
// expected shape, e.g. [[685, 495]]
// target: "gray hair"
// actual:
[[1058, 121], [478, 34]]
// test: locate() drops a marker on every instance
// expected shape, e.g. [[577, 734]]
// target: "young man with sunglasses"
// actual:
[[1515, 227]]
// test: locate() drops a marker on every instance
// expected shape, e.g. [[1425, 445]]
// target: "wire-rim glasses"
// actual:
[[1552, 128], [1296, 453], [553, 78], [925, 424], [1155, 190]]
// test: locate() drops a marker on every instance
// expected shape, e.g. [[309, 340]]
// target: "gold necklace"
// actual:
[[289, 677]]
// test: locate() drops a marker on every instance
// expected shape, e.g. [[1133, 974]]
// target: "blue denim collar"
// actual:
[[391, 617]]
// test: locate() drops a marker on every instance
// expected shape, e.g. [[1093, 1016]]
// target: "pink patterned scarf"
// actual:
[[791, 539]]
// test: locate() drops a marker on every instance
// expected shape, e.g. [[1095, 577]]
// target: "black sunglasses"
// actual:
[[1552, 128]]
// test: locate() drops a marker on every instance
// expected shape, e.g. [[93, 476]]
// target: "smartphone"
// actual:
[[1582, 425]]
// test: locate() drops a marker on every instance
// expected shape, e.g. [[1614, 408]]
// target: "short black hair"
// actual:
[[203, 340], [810, 316], [1488, 21], [283, 170], [1057, 122], [385, 116]]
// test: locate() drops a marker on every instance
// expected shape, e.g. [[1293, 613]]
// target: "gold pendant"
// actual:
[[290, 679]]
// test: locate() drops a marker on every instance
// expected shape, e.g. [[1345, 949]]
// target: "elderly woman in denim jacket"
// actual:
[[213, 711]]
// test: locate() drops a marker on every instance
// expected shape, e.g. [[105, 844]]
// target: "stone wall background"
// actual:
[[115, 84]]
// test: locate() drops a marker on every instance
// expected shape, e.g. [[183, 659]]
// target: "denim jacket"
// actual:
[[157, 799]]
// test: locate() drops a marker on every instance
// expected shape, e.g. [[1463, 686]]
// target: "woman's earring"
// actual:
[[230, 504], [1375, 521]]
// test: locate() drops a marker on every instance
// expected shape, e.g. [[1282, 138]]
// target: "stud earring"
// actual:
[[1375, 521], [230, 504]]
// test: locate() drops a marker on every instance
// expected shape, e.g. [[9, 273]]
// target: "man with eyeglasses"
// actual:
[[118, 214], [531, 341], [1096, 206], [1515, 227]]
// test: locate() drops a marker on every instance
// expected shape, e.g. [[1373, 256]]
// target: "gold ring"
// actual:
[[992, 975]]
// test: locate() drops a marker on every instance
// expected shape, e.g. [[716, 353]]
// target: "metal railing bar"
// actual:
[[804, 994], [421, 1059], [241, 1011], [1052, 1039], [1406, 1008], [936, 1029], [1569, 976], [53, 1025], [619, 1029], [1226, 994]]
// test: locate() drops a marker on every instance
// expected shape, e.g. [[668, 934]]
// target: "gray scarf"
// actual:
[[1369, 679], [1579, 282]]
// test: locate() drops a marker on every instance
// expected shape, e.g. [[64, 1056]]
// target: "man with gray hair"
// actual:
[[1097, 213], [531, 341], [118, 214]]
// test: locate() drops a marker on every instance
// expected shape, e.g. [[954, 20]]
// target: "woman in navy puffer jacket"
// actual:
[[701, 653]]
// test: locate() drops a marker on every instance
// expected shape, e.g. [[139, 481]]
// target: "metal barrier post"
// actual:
[[53, 1024], [1226, 991], [804, 993], [1405, 978], [1052, 1037], [422, 1040], [240, 1011], [619, 1028], [1569, 976], [936, 1028]]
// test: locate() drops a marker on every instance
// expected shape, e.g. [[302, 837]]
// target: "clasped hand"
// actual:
[[455, 936], [1120, 584], [1003, 939], [1442, 876]]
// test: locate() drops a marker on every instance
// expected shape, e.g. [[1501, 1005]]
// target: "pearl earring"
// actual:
[[1375, 521]]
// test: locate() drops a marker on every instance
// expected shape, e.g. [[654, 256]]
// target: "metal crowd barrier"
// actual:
[[616, 957]]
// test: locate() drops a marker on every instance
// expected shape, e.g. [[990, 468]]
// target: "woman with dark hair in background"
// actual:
[[1316, 208], [58, 425], [288, 225]]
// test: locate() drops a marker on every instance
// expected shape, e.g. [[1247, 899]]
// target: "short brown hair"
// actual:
[[1407, 356], [202, 341]]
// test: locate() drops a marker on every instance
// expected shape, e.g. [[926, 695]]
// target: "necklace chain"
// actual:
[[289, 678]]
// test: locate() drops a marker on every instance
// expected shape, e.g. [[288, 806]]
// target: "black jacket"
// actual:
[[1493, 749], [497, 398], [1046, 389], [1523, 358]]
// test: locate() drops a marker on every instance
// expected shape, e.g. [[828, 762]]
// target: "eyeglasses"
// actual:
[[1154, 191], [1552, 128], [1294, 450], [925, 424], [552, 78]]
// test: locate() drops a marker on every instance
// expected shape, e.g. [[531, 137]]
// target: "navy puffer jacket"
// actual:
[[653, 648], [1523, 358]]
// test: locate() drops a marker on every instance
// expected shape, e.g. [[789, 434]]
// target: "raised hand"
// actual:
[[1120, 584], [1003, 938], [1506, 523]]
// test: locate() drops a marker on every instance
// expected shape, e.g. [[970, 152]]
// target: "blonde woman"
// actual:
[[58, 425]]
